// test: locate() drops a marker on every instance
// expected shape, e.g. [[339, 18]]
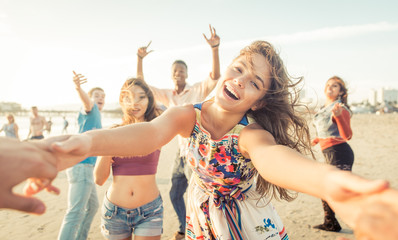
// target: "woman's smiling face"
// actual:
[[332, 89], [244, 83], [135, 102]]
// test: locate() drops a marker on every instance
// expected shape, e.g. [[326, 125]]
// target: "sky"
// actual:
[[43, 41]]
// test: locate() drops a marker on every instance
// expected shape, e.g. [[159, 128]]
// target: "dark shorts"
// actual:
[[340, 155], [37, 137]]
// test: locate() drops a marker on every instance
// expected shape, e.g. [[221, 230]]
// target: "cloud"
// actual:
[[321, 34], [329, 33]]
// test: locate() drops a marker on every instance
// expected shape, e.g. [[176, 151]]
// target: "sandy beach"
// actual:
[[374, 143]]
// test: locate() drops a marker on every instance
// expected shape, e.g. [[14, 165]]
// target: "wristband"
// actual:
[[215, 46]]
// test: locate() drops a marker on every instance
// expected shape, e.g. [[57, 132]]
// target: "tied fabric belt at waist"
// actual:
[[227, 204]]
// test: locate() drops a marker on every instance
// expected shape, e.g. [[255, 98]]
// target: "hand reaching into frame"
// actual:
[[21, 161], [65, 151], [379, 218]]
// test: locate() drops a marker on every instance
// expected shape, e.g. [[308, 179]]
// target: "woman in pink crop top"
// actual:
[[132, 204]]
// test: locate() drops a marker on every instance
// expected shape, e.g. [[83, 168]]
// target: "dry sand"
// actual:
[[374, 143]]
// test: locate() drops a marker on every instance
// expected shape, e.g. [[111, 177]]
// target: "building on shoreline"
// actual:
[[10, 107], [383, 96]]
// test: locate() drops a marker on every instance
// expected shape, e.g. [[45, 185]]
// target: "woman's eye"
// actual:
[[238, 69], [255, 85]]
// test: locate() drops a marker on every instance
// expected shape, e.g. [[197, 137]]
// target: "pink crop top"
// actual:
[[137, 165]]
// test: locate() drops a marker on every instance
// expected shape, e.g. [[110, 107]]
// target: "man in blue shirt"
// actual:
[[82, 195]]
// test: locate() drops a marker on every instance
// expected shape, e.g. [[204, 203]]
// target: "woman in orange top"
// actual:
[[332, 123]]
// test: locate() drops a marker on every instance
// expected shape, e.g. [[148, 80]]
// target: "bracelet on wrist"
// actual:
[[215, 46]]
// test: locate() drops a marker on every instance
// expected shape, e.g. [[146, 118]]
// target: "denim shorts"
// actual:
[[119, 223]]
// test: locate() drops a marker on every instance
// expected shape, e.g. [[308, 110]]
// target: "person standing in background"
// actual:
[[49, 125], [180, 95], [66, 124], [82, 195], [37, 125], [10, 128], [332, 123]]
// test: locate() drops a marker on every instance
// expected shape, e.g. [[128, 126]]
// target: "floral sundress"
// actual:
[[222, 200]]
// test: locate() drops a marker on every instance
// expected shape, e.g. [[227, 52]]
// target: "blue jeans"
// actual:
[[82, 203], [119, 223], [179, 182]]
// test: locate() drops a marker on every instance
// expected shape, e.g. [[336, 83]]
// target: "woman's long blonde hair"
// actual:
[[278, 112]]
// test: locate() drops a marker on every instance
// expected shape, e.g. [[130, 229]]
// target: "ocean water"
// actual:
[[57, 126]]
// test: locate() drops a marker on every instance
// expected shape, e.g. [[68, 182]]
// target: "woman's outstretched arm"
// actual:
[[131, 140], [345, 192]]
